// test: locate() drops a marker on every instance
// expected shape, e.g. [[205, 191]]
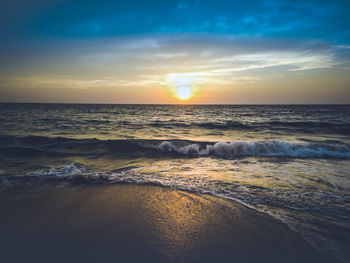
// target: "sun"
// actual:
[[182, 86], [183, 93]]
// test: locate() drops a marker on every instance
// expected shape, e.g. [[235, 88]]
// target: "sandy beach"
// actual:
[[130, 223]]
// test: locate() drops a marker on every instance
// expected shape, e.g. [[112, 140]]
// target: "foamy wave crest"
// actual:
[[269, 148], [35, 146]]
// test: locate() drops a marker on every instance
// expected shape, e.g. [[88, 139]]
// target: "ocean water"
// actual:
[[289, 161]]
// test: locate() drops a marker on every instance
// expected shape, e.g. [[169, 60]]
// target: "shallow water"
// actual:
[[291, 162]]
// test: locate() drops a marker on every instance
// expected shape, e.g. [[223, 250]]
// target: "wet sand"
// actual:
[[130, 223]]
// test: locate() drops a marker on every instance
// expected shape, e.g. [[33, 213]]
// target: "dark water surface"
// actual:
[[291, 162]]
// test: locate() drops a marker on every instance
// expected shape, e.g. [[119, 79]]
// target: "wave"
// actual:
[[268, 148], [22, 146], [300, 126]]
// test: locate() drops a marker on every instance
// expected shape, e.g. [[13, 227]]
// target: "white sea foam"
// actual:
[[268, 148], [66, 171]]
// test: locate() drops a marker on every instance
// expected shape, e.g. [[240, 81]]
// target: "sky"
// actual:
[[194, 51]]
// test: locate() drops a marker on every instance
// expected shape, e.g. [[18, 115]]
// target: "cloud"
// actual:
[[225, 55], [150, 59], [342, 46]]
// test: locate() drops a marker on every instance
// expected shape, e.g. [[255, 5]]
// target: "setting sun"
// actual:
[[183, 93], [183, 86]]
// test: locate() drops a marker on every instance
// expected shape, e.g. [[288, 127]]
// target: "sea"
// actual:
[[291, 162]]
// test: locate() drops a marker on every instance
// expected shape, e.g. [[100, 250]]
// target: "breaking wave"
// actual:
[[268, 148], [36, 146]]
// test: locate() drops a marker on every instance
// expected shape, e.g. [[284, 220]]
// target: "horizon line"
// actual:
[[174, 104]]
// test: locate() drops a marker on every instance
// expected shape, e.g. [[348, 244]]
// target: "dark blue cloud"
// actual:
[[328, 20]]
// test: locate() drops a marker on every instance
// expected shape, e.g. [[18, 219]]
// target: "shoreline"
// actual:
[[137, 223]]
